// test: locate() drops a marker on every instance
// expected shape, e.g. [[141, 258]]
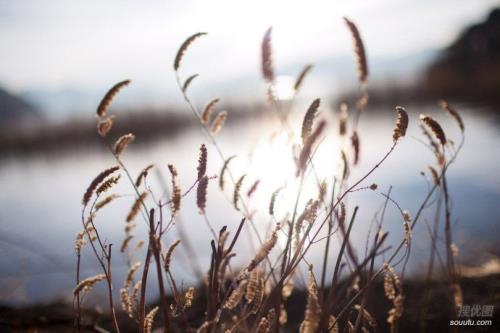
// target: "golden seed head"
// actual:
[[122, 143]]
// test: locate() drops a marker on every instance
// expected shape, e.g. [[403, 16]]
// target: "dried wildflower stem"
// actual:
[[291, 226], [327, 245], [153, 243], [144, 281], [106, 268], [430, 268], [78, 313], [424, 203]]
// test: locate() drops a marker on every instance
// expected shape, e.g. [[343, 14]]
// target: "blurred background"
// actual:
[[59, 58]]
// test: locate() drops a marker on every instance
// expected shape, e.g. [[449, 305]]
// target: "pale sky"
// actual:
[[90, 44]]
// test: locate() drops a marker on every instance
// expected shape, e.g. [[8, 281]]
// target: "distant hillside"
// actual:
[[13, 108], [466, 71], [470, 67]]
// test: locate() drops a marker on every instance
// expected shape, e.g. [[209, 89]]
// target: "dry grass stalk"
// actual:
[[202, 161], [313, 308], [267, 61], [355, 146], [188, 81], [87, 284], [105, 125], [207, 111], [218, 122], [452, 112], [301, 77], [309, 117], [401, 124], [95, 183], [434, 126], [108, 98], [184, 47], [136, 207], [359, 50], [305, 153], [143, 175], [107, 184], [201, 194], [236, 192], [223, 171], [122, 143], [264, 250], [167, 259]]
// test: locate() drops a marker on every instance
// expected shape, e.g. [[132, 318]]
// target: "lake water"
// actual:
[[40, 197]]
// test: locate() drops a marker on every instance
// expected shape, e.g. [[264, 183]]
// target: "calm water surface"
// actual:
[[40, 197]]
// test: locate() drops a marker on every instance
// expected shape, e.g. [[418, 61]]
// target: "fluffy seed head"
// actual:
[[188, 81], [309, 117], [272, 202], [264, 250], [168, 256], [207, 111], [122, 143], [108, 98], [95, 183], [202, 161], [223, 171], [434, 126], [143, 174], [218, 122], [305, 153], [136, 207], [201, 194], [355, 146], [343, 119], [236, 192], [267, 61], [105, 125], [184, 47], [452, 112], [359, 50], [87, 284], [107, 184], [301, 77], [401, 123]]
